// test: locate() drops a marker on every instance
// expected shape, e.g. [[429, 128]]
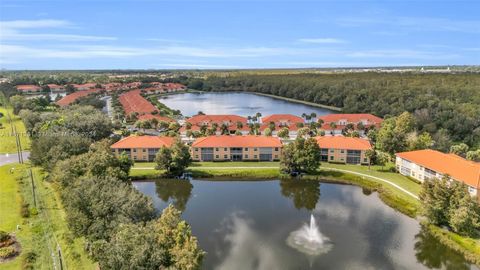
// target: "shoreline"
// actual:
[[332, 108]]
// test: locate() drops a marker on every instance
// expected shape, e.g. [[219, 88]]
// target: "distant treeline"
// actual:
[[445, 105]]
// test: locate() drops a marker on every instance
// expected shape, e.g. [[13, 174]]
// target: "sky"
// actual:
[[156, 34]]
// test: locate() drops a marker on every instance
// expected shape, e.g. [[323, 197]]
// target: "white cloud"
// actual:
[[28, 24], [322, 40], [14, 30], [414, 23]]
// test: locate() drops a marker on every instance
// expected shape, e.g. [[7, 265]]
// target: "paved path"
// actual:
[[12, 158], [373, 177]]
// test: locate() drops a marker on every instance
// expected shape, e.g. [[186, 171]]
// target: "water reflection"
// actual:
[[304, 193], [176, 190], [434, 254], [244, 225]]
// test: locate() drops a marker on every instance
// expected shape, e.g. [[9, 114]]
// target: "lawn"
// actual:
[[45, 228], [396, 178], [7, 140]]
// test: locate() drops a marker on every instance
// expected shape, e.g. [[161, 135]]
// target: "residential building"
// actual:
[[279, 121], [428, 164], [133, 102], [195, 123], [28, 88], [335, 124], [339, 149], [236, 148], [85, 86], [141, 148], [160, 118], [69, 99], [55, 87]]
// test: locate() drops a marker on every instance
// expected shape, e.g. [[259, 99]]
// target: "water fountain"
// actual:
[[308, 239]]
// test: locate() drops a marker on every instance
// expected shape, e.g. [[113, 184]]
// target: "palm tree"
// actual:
[[258, 115], [304, 115]]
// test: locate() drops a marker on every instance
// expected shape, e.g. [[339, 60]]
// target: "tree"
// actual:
[[283, 133], [173, 160], [424, 141], [166, 243], [239, 125], [474, 155], [302, 132], [459, 149], [465, 218], [96, 206], [267, 132], [302, 155], [371, 155], [435, 198], [224, 129], [382, 158], [404, 123]]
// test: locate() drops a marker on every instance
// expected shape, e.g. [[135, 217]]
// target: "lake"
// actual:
[[246, 224], [238, 103]]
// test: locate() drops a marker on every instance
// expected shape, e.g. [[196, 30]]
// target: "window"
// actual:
[[216, 149], [216, 156], [207, 154], [255, 156], [276, 148], [276, 156], [144, 150], [246, 156], [134, 150], [353, 156], [331, 157], [342, 151], [255, 149], [224, 149], [365, 160], [196, 149], [332, 150], [246, 149], [225, 156], [196, 156]]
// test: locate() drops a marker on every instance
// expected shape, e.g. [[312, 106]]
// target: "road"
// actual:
[[12, 158]]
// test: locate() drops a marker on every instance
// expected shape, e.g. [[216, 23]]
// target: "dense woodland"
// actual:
[[445, 105]]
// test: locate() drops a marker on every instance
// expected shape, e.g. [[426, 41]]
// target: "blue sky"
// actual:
[[105, 34]]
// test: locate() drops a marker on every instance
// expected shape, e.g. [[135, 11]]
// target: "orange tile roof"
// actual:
[[282, 118], [237, 141], [351, 118], [69, 99], [85, 85], [143, 142], [216, 118], [456, 167], [132, 101], [149, 116], [28, 87], [52, 85], [340, 142]]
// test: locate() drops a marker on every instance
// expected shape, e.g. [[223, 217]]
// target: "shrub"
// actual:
[[24, 211], [29, 260], [7, 252], [4, 236]]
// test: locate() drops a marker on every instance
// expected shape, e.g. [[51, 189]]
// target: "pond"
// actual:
[[238, 103], [256, 225]]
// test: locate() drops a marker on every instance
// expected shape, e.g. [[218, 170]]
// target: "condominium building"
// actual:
[[141, 148], [231, 122], [236, 148], [279, 121], [28, 88], [335, 124], [339, 149], [429, 164]]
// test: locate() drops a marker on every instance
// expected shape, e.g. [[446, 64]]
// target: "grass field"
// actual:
[[45, 228], [7, 139]]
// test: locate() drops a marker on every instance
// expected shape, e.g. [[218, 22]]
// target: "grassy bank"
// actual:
[[469, 247], [332, 108], [7, 138], [42, 228]]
